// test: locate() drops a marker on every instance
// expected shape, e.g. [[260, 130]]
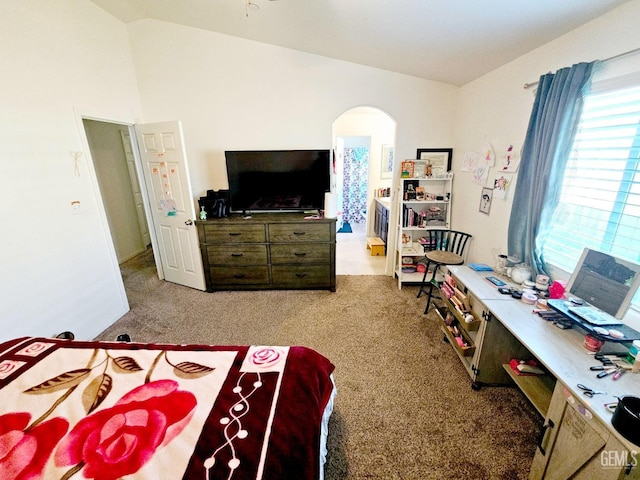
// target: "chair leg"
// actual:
[[430, 295], [423, 284]]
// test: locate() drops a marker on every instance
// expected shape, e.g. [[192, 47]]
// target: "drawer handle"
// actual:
[[301, 275], [299, 233], [237, 254], [300, 254], [239, 275], [235, 234]]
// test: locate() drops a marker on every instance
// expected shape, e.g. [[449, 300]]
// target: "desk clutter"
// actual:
[[589, 400]]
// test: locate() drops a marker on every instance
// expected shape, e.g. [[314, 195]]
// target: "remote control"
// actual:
[[496, 281]]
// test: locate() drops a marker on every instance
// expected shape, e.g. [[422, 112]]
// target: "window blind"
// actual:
[[599, 203]]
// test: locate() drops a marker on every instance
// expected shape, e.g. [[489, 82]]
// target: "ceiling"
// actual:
[[450, 41]]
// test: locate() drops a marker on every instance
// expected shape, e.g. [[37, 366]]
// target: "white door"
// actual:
[[135, 185], [166, 176]]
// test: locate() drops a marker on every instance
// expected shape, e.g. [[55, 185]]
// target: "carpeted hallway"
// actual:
[[405, 409]]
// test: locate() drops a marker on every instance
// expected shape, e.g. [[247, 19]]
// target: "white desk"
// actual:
[[560, 351]]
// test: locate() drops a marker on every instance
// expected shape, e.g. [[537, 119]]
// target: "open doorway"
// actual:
[[362, 136], [159, 156], [114, 163], [355, 181]]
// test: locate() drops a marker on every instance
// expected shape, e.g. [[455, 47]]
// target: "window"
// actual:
[[599, 203]]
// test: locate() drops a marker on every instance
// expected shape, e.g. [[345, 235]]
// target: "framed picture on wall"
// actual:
[[438, 158], [386, 161], [485, 200]]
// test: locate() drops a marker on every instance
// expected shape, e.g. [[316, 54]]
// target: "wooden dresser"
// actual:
[[268, 251]]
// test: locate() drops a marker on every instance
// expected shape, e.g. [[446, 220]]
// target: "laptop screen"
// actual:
[[604, 281]]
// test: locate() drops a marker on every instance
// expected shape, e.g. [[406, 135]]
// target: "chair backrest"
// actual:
[[449, 240]]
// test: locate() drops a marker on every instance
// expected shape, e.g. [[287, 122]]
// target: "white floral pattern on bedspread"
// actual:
[[136, 411]]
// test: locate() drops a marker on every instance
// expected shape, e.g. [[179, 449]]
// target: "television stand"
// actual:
[[271, 251]]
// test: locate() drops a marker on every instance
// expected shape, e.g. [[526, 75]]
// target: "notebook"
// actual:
[[480, 267], [594, 316]]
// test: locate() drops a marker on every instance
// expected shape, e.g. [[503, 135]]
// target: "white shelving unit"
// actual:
[[425, 204]]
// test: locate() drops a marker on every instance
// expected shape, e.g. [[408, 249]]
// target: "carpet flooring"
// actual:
[[405, 408]]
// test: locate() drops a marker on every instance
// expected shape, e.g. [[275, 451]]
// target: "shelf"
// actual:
[[424, 229], [417, 217], [412, 251], [429, 179], [468, 326], [462, 351], [412, 277], [537, 388]]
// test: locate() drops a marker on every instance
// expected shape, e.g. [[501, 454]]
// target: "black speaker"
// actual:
[[216, 204]]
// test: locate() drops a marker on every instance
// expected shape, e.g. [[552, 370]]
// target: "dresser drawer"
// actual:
[[257, 275], [254, 233], [301, 276], [299, 232], [237, 254], [300, 253]]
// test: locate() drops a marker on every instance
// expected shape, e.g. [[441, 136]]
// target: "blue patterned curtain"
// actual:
[[355, 184], [552, 127]]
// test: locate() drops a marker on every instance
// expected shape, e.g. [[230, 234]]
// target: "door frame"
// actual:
[[87, 114], [347, 132]]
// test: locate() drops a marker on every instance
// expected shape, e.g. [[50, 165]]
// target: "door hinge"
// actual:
[[627, 471], [545, 427]]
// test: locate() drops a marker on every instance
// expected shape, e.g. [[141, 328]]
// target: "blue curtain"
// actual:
[[552, 127]]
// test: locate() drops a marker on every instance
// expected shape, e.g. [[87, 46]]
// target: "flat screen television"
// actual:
[[606, 282], [277, 180]]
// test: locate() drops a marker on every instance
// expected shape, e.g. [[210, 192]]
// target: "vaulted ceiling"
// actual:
[[450, 41]]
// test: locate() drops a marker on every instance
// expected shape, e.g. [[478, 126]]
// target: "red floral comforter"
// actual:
[[106, 410]]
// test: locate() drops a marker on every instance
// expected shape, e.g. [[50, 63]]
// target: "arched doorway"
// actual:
[[362, 136]]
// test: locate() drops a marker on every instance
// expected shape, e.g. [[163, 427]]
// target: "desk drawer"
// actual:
[[237, 254], [301, 253], [301, 276], [256, 275], [299, 232], [234, 233]]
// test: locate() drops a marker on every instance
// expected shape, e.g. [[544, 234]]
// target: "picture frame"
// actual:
[[407, 169], [438, 158], [386, 161], [485, 200]]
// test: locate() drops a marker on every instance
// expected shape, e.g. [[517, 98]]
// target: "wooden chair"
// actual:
[[444, 247]]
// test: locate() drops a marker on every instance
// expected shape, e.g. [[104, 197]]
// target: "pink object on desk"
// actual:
[[557, 289]]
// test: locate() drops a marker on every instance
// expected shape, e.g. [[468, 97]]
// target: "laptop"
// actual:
[[594, 316]]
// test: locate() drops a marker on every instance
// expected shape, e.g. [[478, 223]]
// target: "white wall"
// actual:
[[58, 270], [116, 191], [232, 93], [496, 108]]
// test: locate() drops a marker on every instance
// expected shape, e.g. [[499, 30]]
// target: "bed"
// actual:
[[110, 410]]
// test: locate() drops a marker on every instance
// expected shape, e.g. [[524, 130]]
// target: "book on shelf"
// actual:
[[426, 242], [412, 249], [409, 217]]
